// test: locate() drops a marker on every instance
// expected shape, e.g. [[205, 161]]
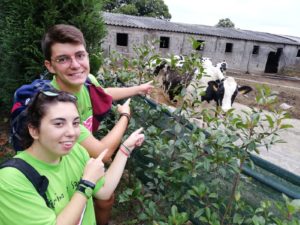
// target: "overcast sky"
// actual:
[[272, 16]]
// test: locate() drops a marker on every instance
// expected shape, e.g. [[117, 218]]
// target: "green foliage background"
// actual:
[[151, 8], [186, 174], [226, 23], [22, 25]]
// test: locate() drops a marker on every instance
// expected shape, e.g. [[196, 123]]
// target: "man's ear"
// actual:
[[49, 66], [33, 131]]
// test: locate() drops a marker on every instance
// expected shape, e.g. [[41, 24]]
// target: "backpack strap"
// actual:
[[39, 182], [101, 103]]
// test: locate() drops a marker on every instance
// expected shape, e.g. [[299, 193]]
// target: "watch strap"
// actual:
[[87, 183], [86, 188]]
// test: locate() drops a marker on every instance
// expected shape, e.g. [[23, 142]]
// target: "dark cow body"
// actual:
[[174, 82]]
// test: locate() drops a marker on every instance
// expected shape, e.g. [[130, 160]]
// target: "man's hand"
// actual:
[[146, 88], [125, 108]]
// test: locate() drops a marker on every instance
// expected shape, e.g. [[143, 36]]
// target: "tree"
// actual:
[[227, 23], [151, 8], [22, 25]]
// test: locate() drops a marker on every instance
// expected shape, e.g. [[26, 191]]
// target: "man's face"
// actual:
[[70, 63]]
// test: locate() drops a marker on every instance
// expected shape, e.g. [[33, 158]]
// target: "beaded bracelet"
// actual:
[[127, 116]]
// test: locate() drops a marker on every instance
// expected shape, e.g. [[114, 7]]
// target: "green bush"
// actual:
[[184, 174], [22, 25]]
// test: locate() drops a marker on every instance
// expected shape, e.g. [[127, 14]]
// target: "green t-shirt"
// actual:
[[84, 106], [20, 203]]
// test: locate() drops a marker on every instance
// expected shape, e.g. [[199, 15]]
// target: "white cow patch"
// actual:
[[230, 87]]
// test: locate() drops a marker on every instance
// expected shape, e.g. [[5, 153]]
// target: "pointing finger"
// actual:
[[127, 101], [139, 130], [101, 155], [150, 82]]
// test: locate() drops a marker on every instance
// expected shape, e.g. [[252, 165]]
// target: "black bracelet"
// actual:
[[127, 149], [87, 183], [86, 188], [127, 116]]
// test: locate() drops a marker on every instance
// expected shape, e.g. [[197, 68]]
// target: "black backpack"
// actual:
[[18, 115], [39, 182]]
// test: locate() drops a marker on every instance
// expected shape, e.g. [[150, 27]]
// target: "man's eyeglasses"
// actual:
[[67, 60]]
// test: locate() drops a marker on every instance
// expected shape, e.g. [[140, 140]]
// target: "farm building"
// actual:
[[244, 50]]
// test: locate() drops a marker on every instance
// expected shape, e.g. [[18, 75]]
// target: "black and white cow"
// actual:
[[222, 66], [156, 65], [173, 82], [223, 91], [212, 85]]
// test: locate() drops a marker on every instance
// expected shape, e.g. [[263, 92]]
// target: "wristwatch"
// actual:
[[86, 187]]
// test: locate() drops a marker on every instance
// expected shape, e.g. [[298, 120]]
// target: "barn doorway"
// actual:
[[273, 61]]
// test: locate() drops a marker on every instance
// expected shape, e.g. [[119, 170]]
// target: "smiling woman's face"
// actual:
[[58, 131]]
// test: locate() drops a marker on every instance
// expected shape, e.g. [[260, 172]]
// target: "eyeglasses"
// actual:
[[66, 59]]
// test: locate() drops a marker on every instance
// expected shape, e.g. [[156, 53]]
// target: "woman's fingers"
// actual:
[[101, 156], [140, 140], [138, 131]]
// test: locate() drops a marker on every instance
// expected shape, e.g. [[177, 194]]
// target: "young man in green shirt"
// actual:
[[66, 57]]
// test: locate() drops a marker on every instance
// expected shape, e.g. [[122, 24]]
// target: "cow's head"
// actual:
[[224, 92]]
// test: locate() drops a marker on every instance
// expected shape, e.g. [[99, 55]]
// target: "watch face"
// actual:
[[88, 191]]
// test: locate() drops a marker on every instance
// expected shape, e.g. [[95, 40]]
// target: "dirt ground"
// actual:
[[288, 91]]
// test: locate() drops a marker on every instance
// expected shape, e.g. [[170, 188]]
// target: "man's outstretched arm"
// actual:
[[119, 93], [113, 138]]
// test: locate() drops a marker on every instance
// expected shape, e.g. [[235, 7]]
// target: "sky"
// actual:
[[271, 16]]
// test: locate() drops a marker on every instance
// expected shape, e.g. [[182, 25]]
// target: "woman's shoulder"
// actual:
[[13, 177]]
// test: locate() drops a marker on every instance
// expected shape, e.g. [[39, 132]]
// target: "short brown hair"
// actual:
[[61, 33]]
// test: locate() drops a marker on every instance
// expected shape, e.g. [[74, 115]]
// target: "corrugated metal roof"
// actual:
[[292, 37], [163, 25]]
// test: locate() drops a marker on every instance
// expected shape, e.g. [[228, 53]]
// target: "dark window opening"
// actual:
[[255, 50], [122, 39], [298, 53], [164, 42], [279, 51], [228, 47], [201, 45]]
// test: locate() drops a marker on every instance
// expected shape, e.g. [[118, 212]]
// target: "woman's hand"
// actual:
[[94, 168], [135, 139]]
